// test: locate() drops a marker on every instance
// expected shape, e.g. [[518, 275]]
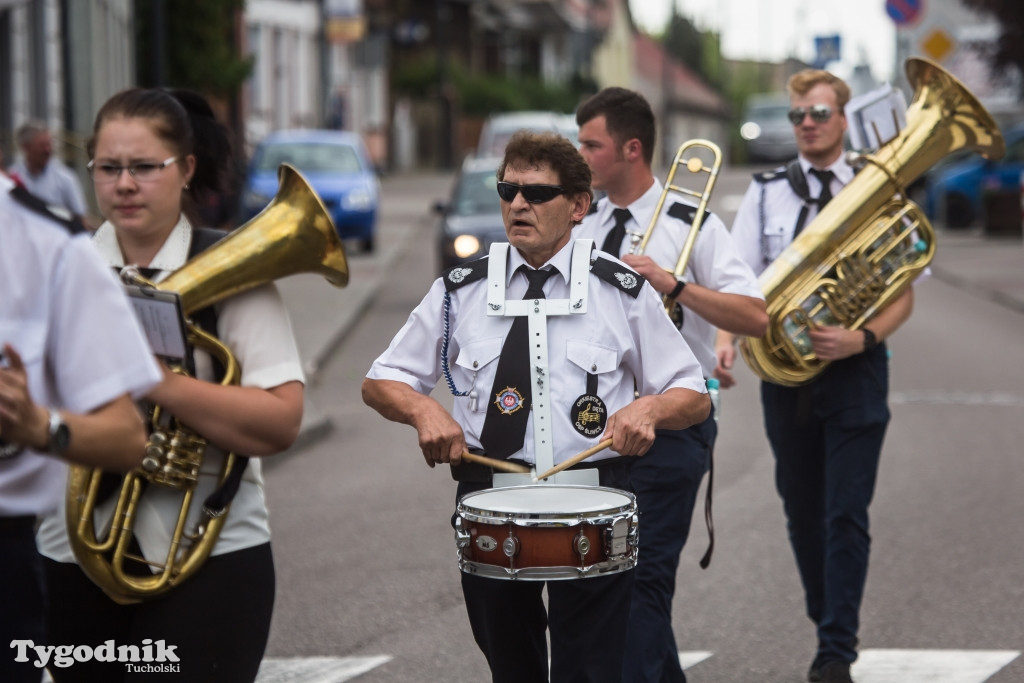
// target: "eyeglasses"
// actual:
[[534, 194], [142, 171], [820, 113]]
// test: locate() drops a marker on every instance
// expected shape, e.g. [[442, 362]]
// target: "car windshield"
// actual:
[[476, 193], [768, 112], [310, 157]]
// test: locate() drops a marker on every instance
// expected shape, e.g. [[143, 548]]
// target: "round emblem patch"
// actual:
[[589, 415], [508, 400]]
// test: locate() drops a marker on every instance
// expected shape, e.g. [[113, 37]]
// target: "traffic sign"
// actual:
[[904, 12]]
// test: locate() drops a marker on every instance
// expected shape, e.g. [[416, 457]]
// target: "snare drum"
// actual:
[[546, 532]]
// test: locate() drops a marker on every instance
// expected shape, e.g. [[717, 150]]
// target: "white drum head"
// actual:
[[548, 499]]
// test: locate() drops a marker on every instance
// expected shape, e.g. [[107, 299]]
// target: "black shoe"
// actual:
[[835, 672]]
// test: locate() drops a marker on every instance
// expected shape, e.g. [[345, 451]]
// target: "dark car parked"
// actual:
[[955, 189]]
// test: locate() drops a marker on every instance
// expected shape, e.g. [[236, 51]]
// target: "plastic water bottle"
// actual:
[[716, 398]]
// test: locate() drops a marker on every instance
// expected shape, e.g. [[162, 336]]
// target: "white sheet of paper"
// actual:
[[161, 318]]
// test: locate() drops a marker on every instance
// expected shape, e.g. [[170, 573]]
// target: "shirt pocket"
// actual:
[[476, 355], [773, 239], [591, 357], [28, 337]]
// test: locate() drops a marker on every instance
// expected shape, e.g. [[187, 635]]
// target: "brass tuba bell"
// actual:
[[869, 243], [293, 234]]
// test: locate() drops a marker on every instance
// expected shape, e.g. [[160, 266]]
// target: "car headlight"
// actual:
[[466, 245], [750, 131], [359, 199]]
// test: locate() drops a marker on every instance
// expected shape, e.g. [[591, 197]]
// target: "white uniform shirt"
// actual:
[[256, 327], [619, 339], [714, 262], [65, 313], [760, 245], [56, 184]]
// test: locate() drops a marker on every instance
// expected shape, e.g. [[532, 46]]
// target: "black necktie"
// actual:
[[826, 186], [511, 397], [613, 242]]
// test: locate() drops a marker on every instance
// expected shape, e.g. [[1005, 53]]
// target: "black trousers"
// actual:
[[586, 618], [218, 620], [22, 596]]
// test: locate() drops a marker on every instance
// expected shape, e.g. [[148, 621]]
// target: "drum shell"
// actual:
[[534, 542]]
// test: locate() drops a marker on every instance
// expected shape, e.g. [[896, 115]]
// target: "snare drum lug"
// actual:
[[462, 536], [510, 547]]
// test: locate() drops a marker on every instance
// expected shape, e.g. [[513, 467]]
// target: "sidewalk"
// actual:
[[322, 315], [988, 267]]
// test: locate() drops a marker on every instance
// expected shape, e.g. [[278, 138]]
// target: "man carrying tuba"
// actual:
[[827, 434]]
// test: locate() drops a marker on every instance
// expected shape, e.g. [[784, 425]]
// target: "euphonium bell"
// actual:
[[293, 234], [869, 244]]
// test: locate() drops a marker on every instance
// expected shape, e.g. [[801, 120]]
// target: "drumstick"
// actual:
[[496, 464], [575, 459]]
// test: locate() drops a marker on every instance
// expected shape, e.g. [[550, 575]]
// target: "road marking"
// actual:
[[948, 666], [971, 398], [316, 669], [688, 659], [912, 666]]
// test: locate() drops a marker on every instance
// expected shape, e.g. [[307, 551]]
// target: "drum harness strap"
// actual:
[[537, 312]]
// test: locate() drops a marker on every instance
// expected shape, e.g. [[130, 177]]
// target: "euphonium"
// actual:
[[870, 242], [694, 165], [293, 234]]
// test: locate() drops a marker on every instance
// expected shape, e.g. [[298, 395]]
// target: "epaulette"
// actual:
[[593, 208], [57, 214], [616, 274], [686, 213], [768, 176], [459, 276]]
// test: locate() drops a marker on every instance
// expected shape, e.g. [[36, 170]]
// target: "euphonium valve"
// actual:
[[293, 234], [869, 244]]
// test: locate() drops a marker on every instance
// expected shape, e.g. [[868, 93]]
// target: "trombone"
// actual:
[[695, 164]]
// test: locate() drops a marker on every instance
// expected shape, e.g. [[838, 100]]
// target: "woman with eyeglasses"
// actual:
[[153, 152], [826, 435]]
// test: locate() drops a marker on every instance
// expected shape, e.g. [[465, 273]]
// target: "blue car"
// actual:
[[337, 166], [955, 188]]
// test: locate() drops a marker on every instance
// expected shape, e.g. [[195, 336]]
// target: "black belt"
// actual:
[[17, 524]]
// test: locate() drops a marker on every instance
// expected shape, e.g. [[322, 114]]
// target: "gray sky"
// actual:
[[774, 29]]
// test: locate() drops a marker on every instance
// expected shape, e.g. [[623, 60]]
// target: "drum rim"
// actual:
[[481, 515]]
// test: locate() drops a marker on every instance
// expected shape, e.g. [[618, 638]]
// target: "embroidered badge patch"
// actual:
[[589, 415], [508, 400], [627, 280], [457, 275]]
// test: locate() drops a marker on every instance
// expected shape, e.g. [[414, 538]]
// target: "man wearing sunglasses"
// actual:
[[717, 289], [826, 435], [603, 331]]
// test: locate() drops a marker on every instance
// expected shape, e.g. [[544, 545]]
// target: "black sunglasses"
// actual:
[[535, 194], [820, 113]]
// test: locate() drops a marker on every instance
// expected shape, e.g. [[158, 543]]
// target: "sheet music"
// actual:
[[159, 313]]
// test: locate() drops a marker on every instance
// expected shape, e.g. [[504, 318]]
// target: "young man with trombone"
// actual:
[[596, 331], [687, 255]]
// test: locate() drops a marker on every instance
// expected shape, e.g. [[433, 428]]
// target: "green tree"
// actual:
[[200, 48], [1008, 50]]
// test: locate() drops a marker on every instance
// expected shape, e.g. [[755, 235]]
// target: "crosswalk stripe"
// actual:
[[910, 666], [316, 669], [948, 666]]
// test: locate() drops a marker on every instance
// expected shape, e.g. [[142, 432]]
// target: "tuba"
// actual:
[[293, 234], [870, 242], [695, 164]]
